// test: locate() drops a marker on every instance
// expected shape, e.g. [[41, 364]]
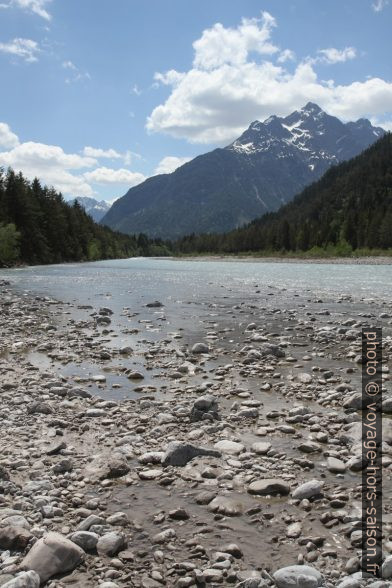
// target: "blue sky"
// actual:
[[99, 94]]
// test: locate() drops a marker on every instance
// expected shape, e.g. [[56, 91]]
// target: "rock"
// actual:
[[39, 407], [261, 448], [164, 536], [335, 465], [308, 490], [349, 583], [309, 447], [179, 454], [205, 407], [271, 349], [232, 549], [199, 348], [110, 544], [118, 467], [56, 448], [86, 540], [14, 538], [304, 378], [298, 577], [65, 465], [89, 522], [294, 530], [229, 447], [51, 555], [269, 487], [386, 568], [226, 506], [24, 580], [155, 304]]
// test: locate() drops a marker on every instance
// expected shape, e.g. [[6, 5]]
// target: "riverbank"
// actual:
[[371, 260], [238, 458]]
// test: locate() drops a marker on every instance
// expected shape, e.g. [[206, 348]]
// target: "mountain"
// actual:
[[228, 187], [348, 209], [94, 208]]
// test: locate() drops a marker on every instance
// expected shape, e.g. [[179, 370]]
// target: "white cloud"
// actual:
[[286, 55], [102, 153], [223, 91], [36, 6], [219, 45], [69, 65], [379, 5], [136, 90], [332, 55], [24, 48], [8, 139], [50, 164], [170, 164], [106, 175]]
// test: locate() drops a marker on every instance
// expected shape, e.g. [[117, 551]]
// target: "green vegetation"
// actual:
[[38, 227], [348, 212]]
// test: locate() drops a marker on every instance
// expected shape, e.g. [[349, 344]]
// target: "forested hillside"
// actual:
[[37, 227], [348, 209]]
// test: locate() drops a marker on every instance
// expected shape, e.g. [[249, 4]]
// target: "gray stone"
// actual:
[[226, 506], [199, 348], [110, 544], [24, 580], [386, 568], [335, 465], [179, 454], [86, 540], [205, 407], [298, 577], [308, 490], [229, 447], [51, 555], [269, 487]]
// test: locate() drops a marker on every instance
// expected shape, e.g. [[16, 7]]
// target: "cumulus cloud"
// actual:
[[35, 6], [26, 49], [64, 171], [170, 164], [102, 153], [8, 139], [219, 45], [333, 55], [232, 83], [379, 5], [51, 165], [106, 175]]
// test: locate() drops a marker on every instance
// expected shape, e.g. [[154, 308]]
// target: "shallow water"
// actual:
[[136, 281]]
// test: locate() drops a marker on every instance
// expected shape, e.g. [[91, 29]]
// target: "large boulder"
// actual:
[[179, 454], [298, 577], [51, 555]]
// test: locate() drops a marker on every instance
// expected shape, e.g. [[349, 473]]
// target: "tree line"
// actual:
[[37, 226], [348, 210]]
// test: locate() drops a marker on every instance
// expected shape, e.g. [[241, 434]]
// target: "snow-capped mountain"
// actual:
[[259, 172], [93, 207]]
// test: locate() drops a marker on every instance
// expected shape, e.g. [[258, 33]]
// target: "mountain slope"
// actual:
[[259, 172], [349, 208], [94, 208]]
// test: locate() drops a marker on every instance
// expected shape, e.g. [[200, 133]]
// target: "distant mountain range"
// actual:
[[259, 172], [94, 208]]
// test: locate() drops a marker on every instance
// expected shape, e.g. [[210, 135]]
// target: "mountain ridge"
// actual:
[[257, 173]]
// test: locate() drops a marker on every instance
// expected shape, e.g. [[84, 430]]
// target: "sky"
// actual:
[[98, 95]]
